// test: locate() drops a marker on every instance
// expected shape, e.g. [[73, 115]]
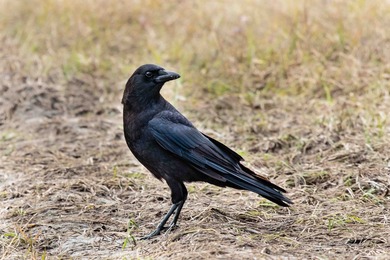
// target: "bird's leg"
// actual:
[[177, 213], [179, 196], [161, 225]]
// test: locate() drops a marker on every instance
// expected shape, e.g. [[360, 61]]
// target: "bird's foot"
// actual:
[[153, 234], [159, 230], [172, 226]]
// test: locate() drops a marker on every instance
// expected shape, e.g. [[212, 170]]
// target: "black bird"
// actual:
[[171, 148]]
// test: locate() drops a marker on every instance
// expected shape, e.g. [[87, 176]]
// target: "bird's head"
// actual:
[[147, 81]]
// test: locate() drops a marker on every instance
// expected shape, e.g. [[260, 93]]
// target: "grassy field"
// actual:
[[301, 89]]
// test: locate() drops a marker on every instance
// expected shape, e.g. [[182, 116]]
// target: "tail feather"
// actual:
[[261, 178], [262, 187], [240, 176]]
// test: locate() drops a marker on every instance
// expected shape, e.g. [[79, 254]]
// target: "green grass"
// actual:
[[343, 220], [130, 238]]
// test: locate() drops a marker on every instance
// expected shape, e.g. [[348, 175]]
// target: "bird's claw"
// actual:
[[172, 227], [159, 230], [153, 234]]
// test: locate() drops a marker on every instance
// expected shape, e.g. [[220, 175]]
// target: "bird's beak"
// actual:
[[164, 76]]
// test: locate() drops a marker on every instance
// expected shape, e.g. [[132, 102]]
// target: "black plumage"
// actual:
[[171, 148]]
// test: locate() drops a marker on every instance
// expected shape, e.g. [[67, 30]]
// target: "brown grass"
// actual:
[[299, 88]]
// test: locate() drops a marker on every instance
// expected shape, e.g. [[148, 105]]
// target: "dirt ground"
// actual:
[[71, 189]]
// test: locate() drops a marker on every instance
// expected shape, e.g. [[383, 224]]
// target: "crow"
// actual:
[[172, 149]]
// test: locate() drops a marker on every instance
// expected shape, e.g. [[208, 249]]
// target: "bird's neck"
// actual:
[[138, 104]]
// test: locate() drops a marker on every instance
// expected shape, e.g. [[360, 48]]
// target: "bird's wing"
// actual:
[[209, 156]]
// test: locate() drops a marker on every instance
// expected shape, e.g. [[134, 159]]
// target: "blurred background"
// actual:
[[312, 48], [299, 88]]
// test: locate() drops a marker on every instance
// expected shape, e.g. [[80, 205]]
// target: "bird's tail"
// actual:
[[243, 178], [248, 180]]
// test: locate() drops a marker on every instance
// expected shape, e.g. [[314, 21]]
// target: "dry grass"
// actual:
[[300, 88]]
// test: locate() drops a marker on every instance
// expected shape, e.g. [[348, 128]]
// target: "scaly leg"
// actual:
[[161, 226]]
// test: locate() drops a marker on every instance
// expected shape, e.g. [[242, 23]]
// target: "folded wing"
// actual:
[[210, 157]]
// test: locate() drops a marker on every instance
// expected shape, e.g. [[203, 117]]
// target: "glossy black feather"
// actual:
[[208, 156]]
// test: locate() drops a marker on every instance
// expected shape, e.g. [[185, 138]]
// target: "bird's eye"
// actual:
[[148, 74]]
